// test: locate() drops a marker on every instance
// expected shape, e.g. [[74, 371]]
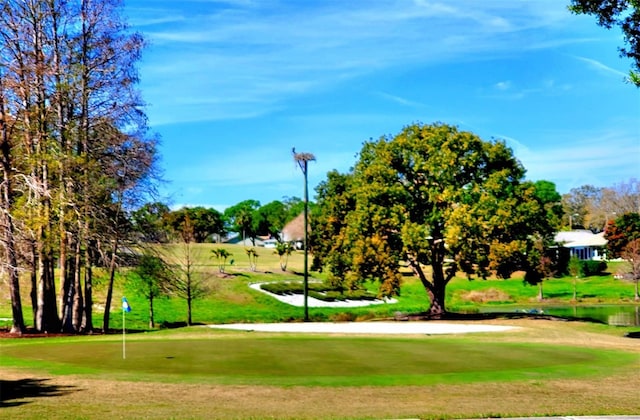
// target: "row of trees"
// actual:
[[174, 271], [589, 207], [75, 152], [155, 222]]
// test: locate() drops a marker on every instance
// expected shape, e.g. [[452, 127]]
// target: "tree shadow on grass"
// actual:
[[14, 393]]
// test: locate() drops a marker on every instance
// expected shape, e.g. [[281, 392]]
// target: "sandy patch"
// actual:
[[385, 327], [378, 327], [298, 300]]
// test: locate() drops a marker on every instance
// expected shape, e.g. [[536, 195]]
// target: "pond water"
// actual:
[[621, 315]]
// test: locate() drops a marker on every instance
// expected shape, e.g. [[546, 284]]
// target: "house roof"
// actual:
[[580, 238], [294, 230]]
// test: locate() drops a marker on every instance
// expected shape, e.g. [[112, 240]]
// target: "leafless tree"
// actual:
[[592, 207], [631, 255], [189, 281]]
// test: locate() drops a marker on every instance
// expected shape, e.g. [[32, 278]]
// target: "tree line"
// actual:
[[592, 208], [156, 222], [75, 151], [77, 158]]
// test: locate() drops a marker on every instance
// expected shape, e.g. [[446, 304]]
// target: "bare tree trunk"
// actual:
[[40, 292], [540, 293], [66, 300], [77, 287], [87, 322], [17, 323], [34, 283], [8, 237], [189, 301], [112, 275], [152, 324]]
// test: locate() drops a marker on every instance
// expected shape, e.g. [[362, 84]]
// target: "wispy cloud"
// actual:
[[248, 50], [589, 159], [399, 100], [600, 66]]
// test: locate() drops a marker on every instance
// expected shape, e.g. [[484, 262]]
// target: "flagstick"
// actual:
[[124, 354]]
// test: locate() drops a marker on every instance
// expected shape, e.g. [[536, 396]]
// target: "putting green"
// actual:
[[303, 360]]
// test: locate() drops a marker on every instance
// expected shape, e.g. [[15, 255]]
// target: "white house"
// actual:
[[583, 244]]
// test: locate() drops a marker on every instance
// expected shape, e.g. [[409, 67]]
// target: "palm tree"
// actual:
[[283, 249], [253, 258], [222, 255]]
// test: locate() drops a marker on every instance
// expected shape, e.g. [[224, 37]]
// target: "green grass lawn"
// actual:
[[544, 368], [289, 360]]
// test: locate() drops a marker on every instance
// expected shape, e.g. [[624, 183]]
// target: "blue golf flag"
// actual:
[[125, 305]]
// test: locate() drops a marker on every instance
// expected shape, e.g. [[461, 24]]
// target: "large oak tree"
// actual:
[[435, 199]]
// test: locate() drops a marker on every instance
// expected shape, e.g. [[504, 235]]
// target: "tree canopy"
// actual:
[[76, 151], [590, 207], [620, 232], [430, 196], [240, 218], [205, 222], [624, 14]]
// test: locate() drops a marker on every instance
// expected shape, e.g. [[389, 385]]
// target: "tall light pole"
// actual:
[[303, 159]]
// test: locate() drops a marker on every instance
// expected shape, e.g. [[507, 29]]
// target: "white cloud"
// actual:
[[589, 159], [249, 55], [601, 67], [399, 100]]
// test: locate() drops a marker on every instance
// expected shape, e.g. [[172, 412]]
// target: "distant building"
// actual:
[[294, 231], [583, 244], [235, 238]]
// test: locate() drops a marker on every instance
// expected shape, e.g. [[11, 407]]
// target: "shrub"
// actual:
[[485, 296], [343, 317], [592, 268], [278, 288], [320, 291]]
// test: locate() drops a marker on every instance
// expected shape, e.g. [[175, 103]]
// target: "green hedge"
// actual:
[[592, 268], [318, 291]]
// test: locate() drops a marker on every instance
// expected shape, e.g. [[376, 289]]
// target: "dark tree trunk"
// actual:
[[151, 322], [435, 288], [437, 291], [66, 294], [67, 299], [437, 296], [112, 275], [77, 287], [87, 321], [189, 300], [34, 284], [17, 325], [8, 238], [47, 319]]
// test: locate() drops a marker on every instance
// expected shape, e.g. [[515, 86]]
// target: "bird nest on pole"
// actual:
[[303, 157]]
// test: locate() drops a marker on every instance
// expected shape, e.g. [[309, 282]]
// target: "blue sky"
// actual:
[[233, 85]]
